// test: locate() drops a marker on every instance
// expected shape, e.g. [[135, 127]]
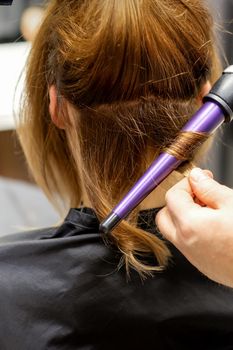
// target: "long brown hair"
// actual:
[[131, 71]]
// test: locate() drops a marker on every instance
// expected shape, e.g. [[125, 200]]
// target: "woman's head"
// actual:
[[126, 76]]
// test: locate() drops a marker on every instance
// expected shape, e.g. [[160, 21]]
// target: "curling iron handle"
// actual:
[[222, 93]]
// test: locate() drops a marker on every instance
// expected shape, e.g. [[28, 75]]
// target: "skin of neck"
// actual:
[[156, 198]]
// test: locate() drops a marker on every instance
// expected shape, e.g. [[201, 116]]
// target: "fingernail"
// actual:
[[197, 175]]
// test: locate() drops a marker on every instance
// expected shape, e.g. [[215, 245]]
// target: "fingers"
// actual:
[[166, 225], [180, 201], [196, 199], [208, 191], [182, 207]]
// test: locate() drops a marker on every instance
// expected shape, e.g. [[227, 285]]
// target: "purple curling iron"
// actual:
[[217, 108]]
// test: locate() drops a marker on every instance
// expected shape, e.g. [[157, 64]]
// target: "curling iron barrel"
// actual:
[[217, 109]]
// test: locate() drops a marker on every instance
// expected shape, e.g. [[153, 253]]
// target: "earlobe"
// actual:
[[53, 108], [206, 88], [204, 91]]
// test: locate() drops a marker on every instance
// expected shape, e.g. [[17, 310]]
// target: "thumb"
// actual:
[[209, 191]]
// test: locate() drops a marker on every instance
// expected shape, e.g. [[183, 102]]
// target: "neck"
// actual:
[[156, 199]]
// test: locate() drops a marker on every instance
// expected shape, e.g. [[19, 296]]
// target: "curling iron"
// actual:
[[217, 108]]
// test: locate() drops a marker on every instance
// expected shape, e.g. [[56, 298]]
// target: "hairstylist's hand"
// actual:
[[198, 220]]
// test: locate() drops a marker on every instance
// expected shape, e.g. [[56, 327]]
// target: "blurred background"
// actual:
[[220, 159], [10, 18], [22, 204]]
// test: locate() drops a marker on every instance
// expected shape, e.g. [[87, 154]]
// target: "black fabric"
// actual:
[[60, 289]]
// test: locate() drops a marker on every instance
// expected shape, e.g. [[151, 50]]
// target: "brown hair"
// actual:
[[131, 71]]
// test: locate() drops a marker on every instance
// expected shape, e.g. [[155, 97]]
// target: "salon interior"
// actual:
[[23, 204]]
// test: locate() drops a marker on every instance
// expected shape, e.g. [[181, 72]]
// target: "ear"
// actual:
[[204, 91], [54, 110]]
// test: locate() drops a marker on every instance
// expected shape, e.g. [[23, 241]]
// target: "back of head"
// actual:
[[131, 71]]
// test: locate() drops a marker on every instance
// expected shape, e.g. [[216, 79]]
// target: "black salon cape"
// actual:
[[60, 289]]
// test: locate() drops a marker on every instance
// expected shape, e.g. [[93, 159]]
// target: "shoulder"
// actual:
[[74, 243], [30, 235]]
